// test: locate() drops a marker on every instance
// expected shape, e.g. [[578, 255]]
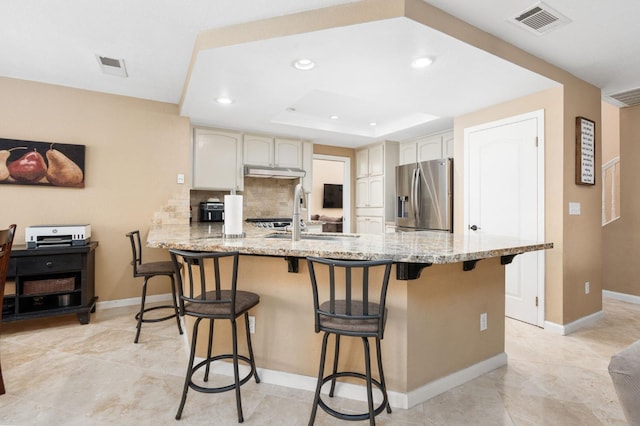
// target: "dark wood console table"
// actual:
[[50, 281]]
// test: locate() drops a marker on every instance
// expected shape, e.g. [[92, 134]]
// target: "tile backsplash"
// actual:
[[261, 197]]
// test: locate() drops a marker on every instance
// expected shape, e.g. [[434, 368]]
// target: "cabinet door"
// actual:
[[375, 192], [408, 153], [217, 160], [362, 225], [258, 150], [447, 145], [376, 225], [376, 160], [362, 192], [362, 163], [430, 148], [288, 153]]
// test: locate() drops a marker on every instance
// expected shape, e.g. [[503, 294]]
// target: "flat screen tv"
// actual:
[[332, 197]]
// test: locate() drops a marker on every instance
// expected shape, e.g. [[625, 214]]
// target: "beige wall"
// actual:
[[134, 150], [610, 132], [621, 239]]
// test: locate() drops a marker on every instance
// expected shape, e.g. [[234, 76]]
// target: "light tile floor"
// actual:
[[60, 373]]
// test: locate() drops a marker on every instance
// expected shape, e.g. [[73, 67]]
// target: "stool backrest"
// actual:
[[349, 286], [199, 266], [136, 250]]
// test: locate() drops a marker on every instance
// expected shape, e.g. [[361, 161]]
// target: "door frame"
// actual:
[[346, 187], [539, 115]]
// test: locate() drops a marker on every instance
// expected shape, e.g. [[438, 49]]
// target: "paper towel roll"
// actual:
[[233, 214]]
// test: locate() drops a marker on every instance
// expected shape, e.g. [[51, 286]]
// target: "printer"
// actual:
[[57, 235]]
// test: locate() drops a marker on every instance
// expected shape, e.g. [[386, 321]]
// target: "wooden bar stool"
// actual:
[[222, 301], [147, 271], [350, 312], [6, 241]]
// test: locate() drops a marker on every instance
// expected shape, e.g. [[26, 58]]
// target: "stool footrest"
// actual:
[[344, 416], [173, 315], [220, 388]]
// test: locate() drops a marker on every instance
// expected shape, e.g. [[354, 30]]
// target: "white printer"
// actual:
[[57, 235]]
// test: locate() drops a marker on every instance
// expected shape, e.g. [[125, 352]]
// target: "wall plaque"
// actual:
[[585, 151]]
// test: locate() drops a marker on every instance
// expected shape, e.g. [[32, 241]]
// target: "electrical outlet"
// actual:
[[180, 178], [252, 324], [587, 287], [483, 321]]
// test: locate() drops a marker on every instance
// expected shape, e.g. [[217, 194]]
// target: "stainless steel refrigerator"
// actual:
[[424, 196]]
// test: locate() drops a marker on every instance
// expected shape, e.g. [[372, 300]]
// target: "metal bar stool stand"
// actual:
[[343, 315], [212, 304], [149, 270]]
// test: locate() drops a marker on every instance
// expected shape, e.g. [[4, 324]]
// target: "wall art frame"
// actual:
[[585, 151], [24, 162]]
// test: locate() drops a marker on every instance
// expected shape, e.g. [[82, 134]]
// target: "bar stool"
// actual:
[[226, 303], [344, 315], [6, 241], [149, 270]]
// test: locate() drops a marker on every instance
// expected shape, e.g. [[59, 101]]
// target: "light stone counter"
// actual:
[[411, 247]]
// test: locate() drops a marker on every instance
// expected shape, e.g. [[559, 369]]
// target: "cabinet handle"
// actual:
[[48, 264]]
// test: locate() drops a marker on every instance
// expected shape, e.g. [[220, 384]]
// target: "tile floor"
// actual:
[[60, 373]]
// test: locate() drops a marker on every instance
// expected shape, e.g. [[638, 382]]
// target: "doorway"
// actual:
[[332, 170], [504, 195]]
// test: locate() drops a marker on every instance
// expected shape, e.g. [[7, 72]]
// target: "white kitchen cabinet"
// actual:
[[369, 225], [370, 192], [272, 152], [288, 153], [430, 147], [258, 150], [375, 186], [217, 160], [307, 166]]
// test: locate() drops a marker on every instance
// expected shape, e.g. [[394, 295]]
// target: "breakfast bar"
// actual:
[[440, 285]]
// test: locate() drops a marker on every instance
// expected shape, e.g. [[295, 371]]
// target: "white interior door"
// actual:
[[504, 195]]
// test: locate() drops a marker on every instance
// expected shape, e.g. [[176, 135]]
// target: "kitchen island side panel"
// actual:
[[444, 307]]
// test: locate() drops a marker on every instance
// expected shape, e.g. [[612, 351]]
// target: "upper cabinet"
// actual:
[[370, 161], [217, 160], [431, 147], [272, 152]]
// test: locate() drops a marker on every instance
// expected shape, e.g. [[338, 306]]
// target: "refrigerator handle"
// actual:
[[415, 182]]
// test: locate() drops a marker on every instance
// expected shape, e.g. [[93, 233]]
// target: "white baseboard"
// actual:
[[631, 298], [573, 326], [358, 393], [133, 301]]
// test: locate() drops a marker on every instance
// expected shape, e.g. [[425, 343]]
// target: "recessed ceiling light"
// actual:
[[334, 117], [373, 123], [303, 64], [224, 101], [421, 62]]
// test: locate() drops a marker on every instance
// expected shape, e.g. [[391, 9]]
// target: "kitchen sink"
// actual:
[[313, 237]]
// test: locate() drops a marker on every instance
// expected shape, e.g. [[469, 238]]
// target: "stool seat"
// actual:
[[350, 323], [244, 301], [155, 268], [147, 271]]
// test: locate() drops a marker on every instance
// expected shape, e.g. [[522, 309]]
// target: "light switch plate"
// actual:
[[180, 178], [574, 209]]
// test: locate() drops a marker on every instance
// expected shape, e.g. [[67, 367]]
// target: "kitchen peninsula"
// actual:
[[440, 285]]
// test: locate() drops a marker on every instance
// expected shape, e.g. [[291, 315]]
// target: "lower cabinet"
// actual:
[[50, 281], [369, 224]]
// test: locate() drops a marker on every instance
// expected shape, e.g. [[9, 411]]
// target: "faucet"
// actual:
[[295, 220]]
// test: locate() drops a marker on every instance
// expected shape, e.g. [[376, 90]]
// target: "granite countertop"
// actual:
[[412, 247]]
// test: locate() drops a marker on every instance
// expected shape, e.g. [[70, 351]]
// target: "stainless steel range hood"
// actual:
[[273, 172]]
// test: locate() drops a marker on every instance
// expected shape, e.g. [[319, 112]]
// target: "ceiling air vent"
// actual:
[[628, 98], [539, 19], [112, 66]]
